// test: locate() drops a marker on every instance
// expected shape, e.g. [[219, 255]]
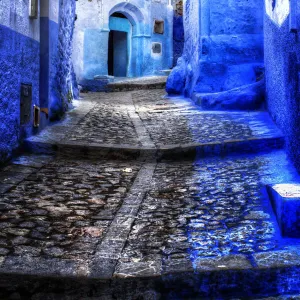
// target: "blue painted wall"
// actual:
[[223, 45], [19, 63], [95, 47], [178, 37], [48, 58], [35, 52], [62, 83], [282, 53], [182, 79]]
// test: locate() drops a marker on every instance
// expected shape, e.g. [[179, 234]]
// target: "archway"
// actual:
[[126, 18]]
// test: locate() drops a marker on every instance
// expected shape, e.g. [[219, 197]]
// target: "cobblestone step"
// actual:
[[144, 83], [238, 282], [93, 150], [133, 124]]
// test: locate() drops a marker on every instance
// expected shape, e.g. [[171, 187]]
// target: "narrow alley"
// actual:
[[86, 213], [149, 149]]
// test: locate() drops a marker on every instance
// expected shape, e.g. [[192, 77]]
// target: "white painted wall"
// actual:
[[15, 15]]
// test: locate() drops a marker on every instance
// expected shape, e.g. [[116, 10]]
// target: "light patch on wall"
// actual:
[[278, 10]]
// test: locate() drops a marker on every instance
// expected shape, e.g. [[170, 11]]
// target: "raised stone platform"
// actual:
[[132, 124], [286, 202]]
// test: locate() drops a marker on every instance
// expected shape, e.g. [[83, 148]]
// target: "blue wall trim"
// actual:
[[48, 58]]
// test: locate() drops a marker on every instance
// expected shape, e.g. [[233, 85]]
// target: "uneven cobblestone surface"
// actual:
[[105, 125], [171, 121], [189, 226], [209, 208], [147, 120], [64, 209]]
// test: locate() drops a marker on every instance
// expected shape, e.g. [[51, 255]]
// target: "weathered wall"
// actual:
[[91, 35], [282, 53], [63, 87], [19, 63], [49, 27], [178, 30], [229, 46], [183, 77], [28, 57]]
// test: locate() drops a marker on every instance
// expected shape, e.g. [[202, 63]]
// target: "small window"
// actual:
[[33, 9], [159, 26], [156, 48]]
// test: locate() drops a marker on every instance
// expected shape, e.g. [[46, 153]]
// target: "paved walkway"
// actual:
[[85, 227], [145, 122]]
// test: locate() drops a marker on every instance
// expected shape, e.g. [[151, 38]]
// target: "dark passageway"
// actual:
[[117, 54]]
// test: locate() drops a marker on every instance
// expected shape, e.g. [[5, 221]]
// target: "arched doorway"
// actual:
[[126, 17], [119, 45]]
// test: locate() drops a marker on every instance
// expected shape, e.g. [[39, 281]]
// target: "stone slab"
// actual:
[[285, 199]]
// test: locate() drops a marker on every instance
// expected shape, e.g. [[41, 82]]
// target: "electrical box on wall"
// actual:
[[25, 103], [33, 9]]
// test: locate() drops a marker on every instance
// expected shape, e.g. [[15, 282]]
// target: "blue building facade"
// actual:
[[282, 56], [178, 31], [31, 61], [223, 46], [147, 27]]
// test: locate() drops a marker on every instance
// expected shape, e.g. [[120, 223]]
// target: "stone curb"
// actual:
[[123, 87], [255, 145], [275, 272]]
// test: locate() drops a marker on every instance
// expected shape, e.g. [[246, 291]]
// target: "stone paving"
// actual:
[[207, 208], [100, 219], [79, 226], [147, 122], [140, 83], [63, 210]]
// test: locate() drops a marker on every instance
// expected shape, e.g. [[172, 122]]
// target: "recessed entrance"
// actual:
[[119, 45], [117, 53]]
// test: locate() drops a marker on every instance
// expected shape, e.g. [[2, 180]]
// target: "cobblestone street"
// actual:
[[146, 121], [147, 218]]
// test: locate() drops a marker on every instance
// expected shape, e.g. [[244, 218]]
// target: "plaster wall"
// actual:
[[178, 38], [35, 52], [48, 48], [19, 63], [90, 55], [282, 54], [229, 45], [63, 85]]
